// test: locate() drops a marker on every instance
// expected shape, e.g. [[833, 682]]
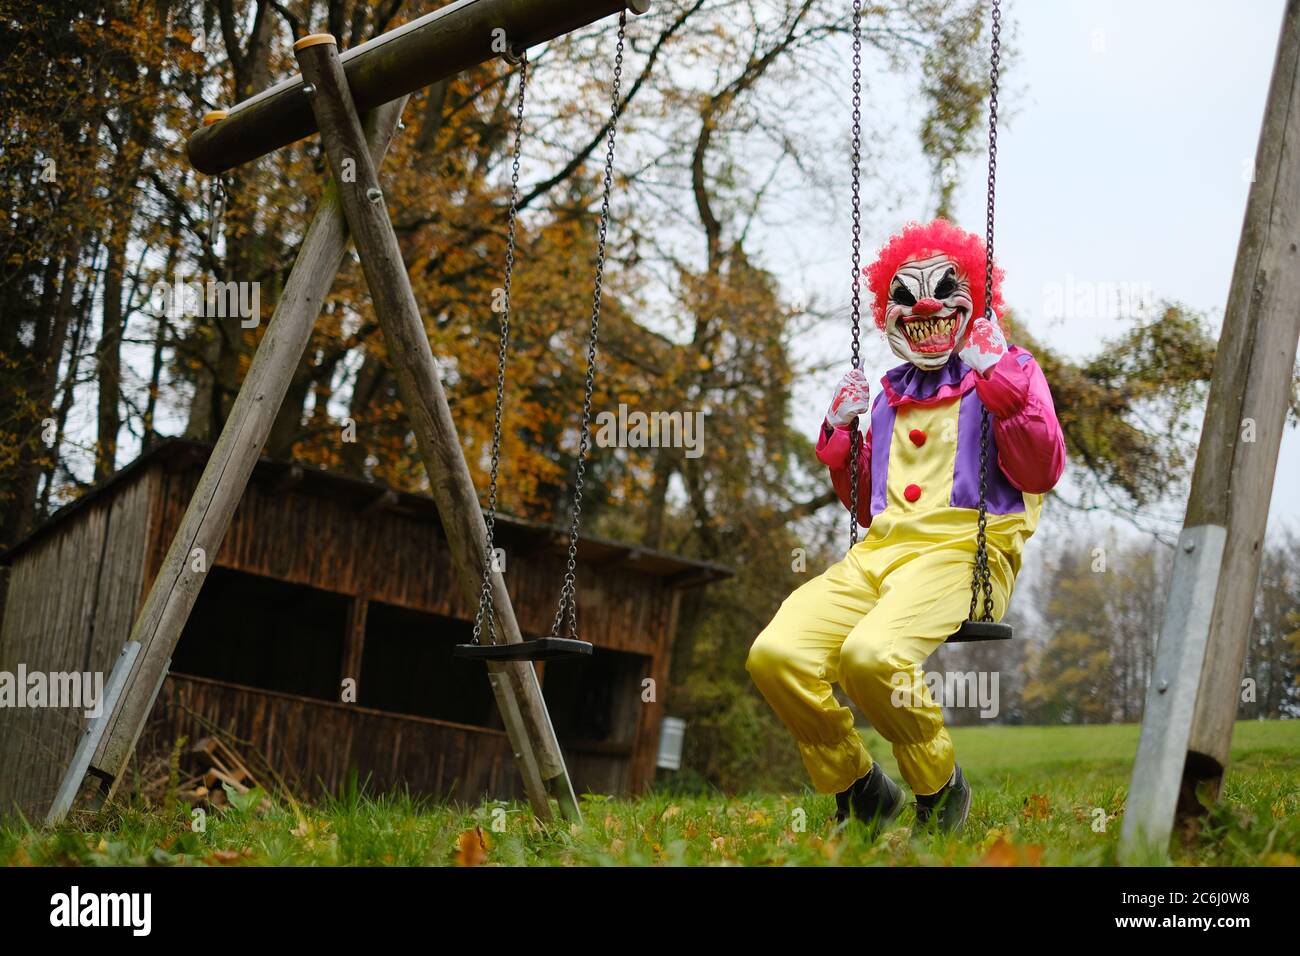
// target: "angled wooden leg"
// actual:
[[171, 598], [518, 692]]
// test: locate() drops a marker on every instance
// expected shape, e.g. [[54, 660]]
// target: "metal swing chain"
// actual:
[[568, 592], [855, 436], [981, 580], [486, 608], [216, 210]]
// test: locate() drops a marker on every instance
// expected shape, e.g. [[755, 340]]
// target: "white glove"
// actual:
[[985, 345], [852, 399]]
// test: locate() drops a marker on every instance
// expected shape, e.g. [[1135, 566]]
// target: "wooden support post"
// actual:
[[354, 641], [1192, 703], [515, 684], [198, 539], [1249, 395]]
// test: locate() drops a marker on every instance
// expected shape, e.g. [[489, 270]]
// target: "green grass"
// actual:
[[1045, 795]]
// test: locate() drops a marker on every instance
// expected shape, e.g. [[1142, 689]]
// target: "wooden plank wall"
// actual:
[[70, 605], [397, 559], [323, 742], [641, 772]]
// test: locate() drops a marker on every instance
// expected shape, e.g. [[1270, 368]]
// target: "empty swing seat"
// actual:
[[972, 632], [541, 649]]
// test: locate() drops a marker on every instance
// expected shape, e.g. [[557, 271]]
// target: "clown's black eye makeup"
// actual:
[[900, 295], [947, 285]]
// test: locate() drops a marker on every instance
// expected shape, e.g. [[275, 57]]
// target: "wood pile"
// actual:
[[207, 768]]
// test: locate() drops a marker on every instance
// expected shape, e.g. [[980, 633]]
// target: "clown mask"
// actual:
[[928, 310]]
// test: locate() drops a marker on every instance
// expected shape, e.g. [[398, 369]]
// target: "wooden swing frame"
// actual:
[[355, 102]]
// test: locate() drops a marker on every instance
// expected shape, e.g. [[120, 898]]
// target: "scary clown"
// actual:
[[872, 619]]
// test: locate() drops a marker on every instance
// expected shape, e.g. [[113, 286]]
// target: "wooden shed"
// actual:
[[320, 579]]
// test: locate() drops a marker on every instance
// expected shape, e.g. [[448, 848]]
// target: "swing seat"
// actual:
[[541, 649], [972, 632]]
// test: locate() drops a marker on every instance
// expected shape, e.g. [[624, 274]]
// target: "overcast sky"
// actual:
[[1125, 164]]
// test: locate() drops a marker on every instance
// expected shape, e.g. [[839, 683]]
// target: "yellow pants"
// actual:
[[868, 622]]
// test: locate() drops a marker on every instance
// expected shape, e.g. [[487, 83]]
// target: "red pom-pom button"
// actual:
[[917, 436], [912, 492]]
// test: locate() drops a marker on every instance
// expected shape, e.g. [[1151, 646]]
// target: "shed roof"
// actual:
[[181, 453]]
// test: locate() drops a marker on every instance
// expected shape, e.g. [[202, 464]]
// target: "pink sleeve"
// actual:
[[833, 451], [1031, 446]]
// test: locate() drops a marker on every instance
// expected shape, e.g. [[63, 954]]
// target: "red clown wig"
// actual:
[[918, 241]]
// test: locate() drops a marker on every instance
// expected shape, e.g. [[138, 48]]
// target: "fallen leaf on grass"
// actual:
[[20, 858], [994, 835], [472, 847], [305, 828], [896, 840], [1279, 859], [1036, 807], [1006, 853], [827, 848]]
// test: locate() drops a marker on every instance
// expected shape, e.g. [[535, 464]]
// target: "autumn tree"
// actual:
[[1271, 675]]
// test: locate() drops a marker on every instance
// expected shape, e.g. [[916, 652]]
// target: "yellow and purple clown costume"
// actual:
[[871, 619]]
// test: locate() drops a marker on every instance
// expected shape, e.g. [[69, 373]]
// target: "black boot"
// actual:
[[873, 799], [948, 809]]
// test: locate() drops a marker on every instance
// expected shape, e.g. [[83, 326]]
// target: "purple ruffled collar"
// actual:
[[907, 383]]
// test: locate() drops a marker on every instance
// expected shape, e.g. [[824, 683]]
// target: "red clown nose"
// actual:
[[927, 307]]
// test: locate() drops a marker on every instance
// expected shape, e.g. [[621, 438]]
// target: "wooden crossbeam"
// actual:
[[433, 47]]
